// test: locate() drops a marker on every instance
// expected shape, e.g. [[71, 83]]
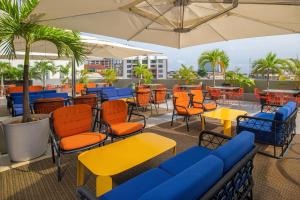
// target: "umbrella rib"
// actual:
[[217, 32], [79, 15], [160, 14], [151, 22], [263, 22]]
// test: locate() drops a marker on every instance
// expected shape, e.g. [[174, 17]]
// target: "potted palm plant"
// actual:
[[27, 136], [139, 71], [186, 74]]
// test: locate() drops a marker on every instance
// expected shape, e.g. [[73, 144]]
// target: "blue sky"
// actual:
[[241, 52]]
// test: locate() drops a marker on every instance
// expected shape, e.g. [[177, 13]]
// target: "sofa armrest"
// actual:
[[226, 185], [85, 194], [211, 139]]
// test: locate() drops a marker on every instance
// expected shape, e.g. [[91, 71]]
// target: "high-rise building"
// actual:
[[158, 65]]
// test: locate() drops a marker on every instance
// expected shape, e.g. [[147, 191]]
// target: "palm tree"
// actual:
[[110, 76], [4, 68], [186, 74], [15, 22], [42, 69], [148, 76], [215, 58], [65, 72], [271, 64], [295, 67], [83, 76], [139, 71]]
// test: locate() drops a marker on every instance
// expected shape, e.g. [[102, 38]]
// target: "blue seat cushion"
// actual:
[[108, 93], [184, 159], [265, 115], [124, 91], [18, 111], [191, 183], [136, 187], [235, 149]]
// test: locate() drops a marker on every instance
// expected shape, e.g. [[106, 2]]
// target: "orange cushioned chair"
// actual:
[[159, 97], [114, 116], [198, 101], [91, 100], [141, 100], [181, 104], [47, 105], [71, 132]]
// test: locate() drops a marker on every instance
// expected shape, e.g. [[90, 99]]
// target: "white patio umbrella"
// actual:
[[174, 23]]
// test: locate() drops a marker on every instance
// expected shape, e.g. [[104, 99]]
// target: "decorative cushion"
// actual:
[[184, 159], [137, 186], [235, 149], [191, 183]]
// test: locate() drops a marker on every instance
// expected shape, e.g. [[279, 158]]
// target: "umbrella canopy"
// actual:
[[174, 23], [96, 48], [35, 56]]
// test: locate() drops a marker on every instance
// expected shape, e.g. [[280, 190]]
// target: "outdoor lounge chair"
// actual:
[[114, 116], [71, 132], [46, 106], [141, 100], [274, 125], [198, 101], [159, 97], [181, 104], [91, 100]]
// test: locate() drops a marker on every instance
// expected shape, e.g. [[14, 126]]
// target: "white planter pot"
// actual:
[[26, 141]]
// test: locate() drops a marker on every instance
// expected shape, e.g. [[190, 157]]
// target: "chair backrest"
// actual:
[[72, 120], [79, 87], [181, 100], [143, 97], [46, 106], [160, 95], [91, 85], [15, 89], [197, 96], [90, 99], [56, 95], [176, 88], [35, 88], [114, 111]]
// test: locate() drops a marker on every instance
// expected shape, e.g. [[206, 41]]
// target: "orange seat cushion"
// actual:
[[126, 128], [81, 140], [210, 106], [190, 111]]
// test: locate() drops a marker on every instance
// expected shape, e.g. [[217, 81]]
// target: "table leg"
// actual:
[[227, 127], [80, 173], [174, 151], [203, 122], [103, 185]]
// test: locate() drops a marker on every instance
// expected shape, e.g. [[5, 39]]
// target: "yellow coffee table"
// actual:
[[226, 115], [120, 156]]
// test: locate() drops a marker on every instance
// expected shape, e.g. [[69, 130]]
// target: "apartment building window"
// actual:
[[160, 66], [129, 66], [160, 75], [160, 71], [153, 61], [153, 66], [129, 71], [160, 60], [128, 61], [145, 61]]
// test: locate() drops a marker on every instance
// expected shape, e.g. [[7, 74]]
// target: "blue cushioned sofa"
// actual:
[[110, 93], [219, 168], [17, 99], [274, 125]]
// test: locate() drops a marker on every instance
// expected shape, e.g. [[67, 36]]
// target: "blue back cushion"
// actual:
[[107, 93], [18, 99], [56, 95], [124, 91], [291, 106], [48, 91], [93, 89], [14, 94], [190, 184], [235, 149], [32, 98], [137, 186], [282, 113]]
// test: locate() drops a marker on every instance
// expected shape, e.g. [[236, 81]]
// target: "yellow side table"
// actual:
[[120, 156], [226, 115]]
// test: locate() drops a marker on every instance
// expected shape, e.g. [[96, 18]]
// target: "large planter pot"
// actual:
[[26, 141]]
